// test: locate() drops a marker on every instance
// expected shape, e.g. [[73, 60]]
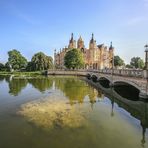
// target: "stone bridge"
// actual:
[[135, 78]]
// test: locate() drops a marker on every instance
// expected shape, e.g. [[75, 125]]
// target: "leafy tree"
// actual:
[[16, 60], [129, 66], [2, 67], [137, 62], [40, 62], [73, 59], [7, 66], [118, 61], [29, 66]]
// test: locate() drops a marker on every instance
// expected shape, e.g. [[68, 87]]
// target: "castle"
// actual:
[[95, 57]]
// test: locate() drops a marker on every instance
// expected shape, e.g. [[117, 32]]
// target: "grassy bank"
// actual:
[[35, 73]]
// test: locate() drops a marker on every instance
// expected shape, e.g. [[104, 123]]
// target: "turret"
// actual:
[[80, 43], [92, 43], [54, 52], [111, 46], [72, 43]]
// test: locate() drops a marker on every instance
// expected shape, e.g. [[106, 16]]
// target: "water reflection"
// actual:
[[42, 84], [16, 86], [128, 92], [139, 110], [2, 78], [75, 90], [78, 91]]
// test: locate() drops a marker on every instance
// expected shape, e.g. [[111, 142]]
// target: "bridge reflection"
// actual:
[[137, 109]]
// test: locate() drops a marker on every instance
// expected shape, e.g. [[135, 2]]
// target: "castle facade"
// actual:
[[95, 57]]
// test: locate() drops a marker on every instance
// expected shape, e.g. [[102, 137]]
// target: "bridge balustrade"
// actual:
[[121, 72], [118, 72]]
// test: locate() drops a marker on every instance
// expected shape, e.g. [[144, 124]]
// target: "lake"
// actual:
[[68, 112]]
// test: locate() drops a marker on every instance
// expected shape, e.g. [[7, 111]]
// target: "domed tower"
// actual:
[[92, 43], [80, 43], [111, 56], [72, 43]]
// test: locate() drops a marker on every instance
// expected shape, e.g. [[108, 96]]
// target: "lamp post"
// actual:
[[146, 65], [112, 64], [145, 74], [146, 56]]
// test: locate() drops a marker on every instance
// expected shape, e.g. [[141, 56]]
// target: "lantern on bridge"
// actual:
[[146, 56]]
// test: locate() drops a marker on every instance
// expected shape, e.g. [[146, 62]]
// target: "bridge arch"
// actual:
[[130, 83], [127, 89], [88, 76], [105, 78], [104, 81], [94, 78]]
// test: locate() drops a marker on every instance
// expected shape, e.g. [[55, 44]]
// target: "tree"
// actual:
[[2, 67], [7, 67], [128, 66], [29, 66], [73, 59], [16, 60], [137, 62], [118, 61], [40, 62]]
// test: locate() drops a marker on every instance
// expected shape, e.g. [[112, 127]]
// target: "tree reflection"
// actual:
[[2, 78], [7, 79], [42, 84], [16, 85]]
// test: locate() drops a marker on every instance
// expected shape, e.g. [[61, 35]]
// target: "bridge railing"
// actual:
[[118, 72], [121, 72]]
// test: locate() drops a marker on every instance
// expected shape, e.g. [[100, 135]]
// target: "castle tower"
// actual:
[[92, 43], [80, 43], [72, 43], [111, 56]]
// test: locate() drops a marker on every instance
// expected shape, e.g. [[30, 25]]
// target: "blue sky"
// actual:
[[43, 25]]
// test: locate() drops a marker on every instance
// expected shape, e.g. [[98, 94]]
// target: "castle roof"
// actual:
[[101, 45]]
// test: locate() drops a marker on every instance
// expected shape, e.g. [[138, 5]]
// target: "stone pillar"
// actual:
[[145, 74]]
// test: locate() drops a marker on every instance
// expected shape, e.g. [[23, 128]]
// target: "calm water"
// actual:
[[111, 121]]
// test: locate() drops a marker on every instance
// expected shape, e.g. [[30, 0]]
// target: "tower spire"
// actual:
[[72, 42], [111, 44], [71, 35], [92, 36]]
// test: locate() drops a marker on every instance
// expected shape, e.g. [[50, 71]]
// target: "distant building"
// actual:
[[95, 57]]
